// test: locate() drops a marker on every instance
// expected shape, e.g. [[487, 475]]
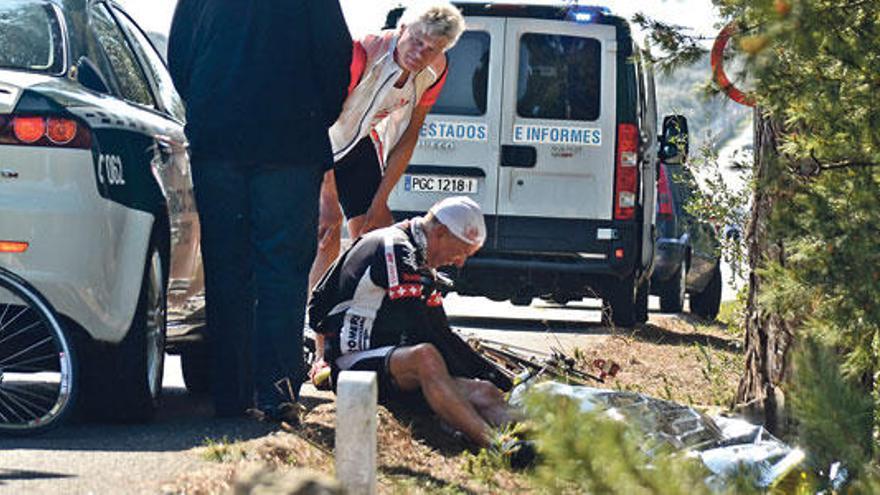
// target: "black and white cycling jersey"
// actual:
[[378, 293]]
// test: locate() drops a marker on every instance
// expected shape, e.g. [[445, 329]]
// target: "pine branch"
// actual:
[[850, 5], [840, 165]]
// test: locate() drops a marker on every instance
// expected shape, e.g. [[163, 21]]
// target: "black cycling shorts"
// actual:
[[358, 175], [378, 360]]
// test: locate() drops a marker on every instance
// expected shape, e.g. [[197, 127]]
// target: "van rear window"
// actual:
[[465, 90], [559, 77]]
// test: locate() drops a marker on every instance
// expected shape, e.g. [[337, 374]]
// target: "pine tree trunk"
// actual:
[[768, 337]]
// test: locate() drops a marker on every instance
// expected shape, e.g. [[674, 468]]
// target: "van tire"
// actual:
[[672, 291], [707, 303], [626, 305], [642, 302]]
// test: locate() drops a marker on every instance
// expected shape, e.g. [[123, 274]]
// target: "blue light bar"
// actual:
[[586, 14]]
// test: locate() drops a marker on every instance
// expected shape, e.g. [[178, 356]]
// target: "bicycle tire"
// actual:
[[38, 363]]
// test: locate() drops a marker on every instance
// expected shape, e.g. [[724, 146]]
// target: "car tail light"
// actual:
[[60, 131], [627, 174], [38, 130], [664, 194], [29, 130]]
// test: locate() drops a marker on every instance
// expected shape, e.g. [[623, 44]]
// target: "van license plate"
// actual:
[[440, 184]]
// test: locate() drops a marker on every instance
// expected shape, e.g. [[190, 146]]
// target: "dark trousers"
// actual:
[[259, 227]]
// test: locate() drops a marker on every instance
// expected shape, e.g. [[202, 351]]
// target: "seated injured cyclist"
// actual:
[[379, 309]]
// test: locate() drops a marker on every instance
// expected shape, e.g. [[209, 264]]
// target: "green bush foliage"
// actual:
[[835, 413]]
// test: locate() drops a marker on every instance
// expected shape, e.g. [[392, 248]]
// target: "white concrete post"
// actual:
[[356, 422]]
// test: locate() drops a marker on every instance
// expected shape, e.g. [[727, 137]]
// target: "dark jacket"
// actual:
[[263, 80]]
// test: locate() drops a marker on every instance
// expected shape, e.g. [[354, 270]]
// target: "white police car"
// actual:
[[96, 203]]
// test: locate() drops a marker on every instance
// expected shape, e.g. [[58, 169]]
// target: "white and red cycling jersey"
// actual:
[[375, 107]]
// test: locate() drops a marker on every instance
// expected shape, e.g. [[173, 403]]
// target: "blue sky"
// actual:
[[366, 15]]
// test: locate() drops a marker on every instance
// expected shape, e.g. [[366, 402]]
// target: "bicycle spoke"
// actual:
[[23, 330], [31, 392], [19, 353], [17, 368], [3, 316], [24, 407], [9, 409], [53, 355], [3, 326]]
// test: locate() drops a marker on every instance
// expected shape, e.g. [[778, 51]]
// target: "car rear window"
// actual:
[[559, 77], [30, 37], [465, 90]]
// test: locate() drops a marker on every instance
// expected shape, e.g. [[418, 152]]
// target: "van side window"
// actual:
[[465, 90], [559, 77]]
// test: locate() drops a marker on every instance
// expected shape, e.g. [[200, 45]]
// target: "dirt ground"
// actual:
[[673, 358]]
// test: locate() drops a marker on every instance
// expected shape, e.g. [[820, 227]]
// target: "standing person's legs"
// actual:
[[222, 202], [358, 176], [329, 229], [284, 216]]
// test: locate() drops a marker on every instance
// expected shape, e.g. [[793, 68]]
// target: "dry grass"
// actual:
[[672, 358], [416, 455], [676, 359]]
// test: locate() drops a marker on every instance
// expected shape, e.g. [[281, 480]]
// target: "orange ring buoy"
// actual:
[[718, 73]]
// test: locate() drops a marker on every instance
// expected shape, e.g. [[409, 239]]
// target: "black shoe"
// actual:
[[525, 456], [287, 414], [520, 454]]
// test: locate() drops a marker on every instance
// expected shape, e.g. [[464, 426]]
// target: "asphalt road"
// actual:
[[107, 458], [112, 459]]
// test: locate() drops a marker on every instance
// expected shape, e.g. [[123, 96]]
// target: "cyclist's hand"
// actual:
[[319, 375]]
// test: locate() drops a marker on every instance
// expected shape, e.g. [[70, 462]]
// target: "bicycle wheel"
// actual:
[[37, 361]]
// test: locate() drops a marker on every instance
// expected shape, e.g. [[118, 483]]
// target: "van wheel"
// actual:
[[672, 291], [708, 302], [626, 304], [125, 384], [642, 302]]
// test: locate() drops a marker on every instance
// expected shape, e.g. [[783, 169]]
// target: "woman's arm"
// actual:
[[398, 160]]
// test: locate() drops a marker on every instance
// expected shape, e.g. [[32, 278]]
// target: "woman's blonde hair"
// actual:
[[434, 18]]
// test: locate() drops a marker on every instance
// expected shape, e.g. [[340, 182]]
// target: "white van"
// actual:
[[548, 120]]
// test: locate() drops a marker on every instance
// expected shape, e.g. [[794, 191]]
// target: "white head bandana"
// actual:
[[463, 217]]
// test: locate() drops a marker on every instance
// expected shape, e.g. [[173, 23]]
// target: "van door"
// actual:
[[457, 152], [649, 162], [558, 126]]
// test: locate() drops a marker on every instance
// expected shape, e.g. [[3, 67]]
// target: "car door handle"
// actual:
[[513, 155]]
